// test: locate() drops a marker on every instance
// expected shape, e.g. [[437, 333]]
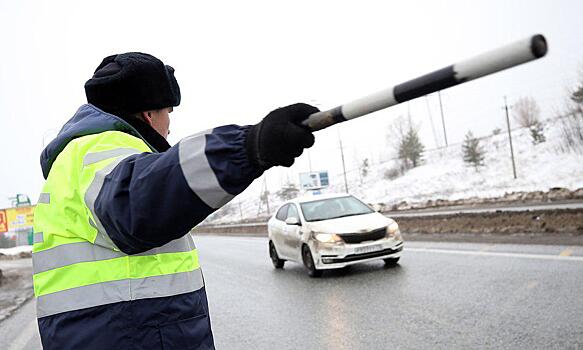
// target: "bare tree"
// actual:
[[572, 120], [526, 112], [288, 191]]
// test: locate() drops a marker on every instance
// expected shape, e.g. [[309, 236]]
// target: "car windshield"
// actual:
[[333, 208]]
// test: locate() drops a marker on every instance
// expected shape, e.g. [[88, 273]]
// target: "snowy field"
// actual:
[[444, 175], [16, 250]]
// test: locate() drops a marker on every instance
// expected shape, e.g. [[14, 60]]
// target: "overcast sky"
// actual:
[[237, 60]]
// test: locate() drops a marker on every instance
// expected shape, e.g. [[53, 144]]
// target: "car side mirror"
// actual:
[[292, 221]]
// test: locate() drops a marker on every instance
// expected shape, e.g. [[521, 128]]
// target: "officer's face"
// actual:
[[159, 120]]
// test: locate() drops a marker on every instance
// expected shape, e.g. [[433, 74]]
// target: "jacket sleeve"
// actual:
[[149, 199]]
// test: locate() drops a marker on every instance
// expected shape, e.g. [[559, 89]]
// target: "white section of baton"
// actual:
[[368, 104], [495, 60]]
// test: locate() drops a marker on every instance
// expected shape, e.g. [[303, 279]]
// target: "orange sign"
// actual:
[[3, 221]]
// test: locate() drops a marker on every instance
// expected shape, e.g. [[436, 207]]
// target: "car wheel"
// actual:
[[277, 262], [391, 261], [309, 262]]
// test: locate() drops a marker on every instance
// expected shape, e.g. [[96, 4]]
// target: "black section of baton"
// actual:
[[426, 84], [538, 46], [336, 114]]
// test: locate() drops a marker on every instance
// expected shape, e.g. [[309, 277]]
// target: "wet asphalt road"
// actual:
[[441, 296]]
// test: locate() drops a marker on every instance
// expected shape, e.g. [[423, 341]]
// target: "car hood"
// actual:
[[350, 224]]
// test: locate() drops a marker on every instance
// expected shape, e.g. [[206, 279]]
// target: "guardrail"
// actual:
[[244, 229]]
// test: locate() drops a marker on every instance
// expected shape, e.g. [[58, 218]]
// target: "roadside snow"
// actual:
[[444, 175], [16, 250]]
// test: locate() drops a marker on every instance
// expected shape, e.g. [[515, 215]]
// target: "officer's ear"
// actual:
[[146, 116]]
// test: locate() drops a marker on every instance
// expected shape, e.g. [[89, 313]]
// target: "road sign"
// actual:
[[314, 180]]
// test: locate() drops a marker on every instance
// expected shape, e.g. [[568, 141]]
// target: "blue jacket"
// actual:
[[146, 201]]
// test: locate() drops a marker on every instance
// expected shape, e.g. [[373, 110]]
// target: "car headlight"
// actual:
[[394, 232], [327, 238]]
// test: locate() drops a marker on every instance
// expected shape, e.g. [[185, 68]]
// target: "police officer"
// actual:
[[114, 264]]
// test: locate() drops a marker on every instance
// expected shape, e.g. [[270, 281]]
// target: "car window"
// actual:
[[332, 208], [282, 213], [293, 212]]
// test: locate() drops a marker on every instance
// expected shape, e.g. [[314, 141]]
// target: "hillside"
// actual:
[[444, 176]]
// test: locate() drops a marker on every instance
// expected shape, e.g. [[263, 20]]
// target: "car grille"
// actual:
[[365, 236]]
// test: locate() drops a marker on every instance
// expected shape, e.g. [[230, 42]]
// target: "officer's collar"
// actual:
[[150, 135]]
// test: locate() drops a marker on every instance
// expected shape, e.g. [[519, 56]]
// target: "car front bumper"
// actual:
[[333, 256]]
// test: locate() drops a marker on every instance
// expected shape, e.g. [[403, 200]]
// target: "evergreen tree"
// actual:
[[364, 168], [577, 95], [537, 133], [473, 152], [411, 149]]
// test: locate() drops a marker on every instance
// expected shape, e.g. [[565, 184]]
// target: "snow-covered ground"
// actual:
[[16, 250], [444, 175]]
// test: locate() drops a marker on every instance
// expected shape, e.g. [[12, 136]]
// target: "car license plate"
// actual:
[[368, 249]]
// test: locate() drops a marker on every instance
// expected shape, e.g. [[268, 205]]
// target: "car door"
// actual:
[[292, 234], [277, 230]]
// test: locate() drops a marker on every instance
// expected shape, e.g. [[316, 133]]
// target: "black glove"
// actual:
[[279, 137]]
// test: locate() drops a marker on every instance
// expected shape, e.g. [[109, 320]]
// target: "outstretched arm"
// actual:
[[145, 200]]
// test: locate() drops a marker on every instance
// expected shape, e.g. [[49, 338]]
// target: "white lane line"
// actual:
[[488, 247], [25, 336], [498, 254]]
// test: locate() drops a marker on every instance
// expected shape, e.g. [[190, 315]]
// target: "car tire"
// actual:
[[391, 261], [277, 262], [309, 262]]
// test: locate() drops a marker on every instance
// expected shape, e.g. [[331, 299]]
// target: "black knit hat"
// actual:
[[132, 82]]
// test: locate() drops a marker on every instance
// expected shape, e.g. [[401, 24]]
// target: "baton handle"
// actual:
[[487, 63]]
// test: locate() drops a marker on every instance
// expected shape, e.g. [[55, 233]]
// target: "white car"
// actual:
[[331, 231]]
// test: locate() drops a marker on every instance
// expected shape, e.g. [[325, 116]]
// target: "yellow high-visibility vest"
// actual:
[[75, 263]]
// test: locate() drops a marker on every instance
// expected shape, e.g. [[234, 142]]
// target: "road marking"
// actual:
[[566, 252], [488, 247], [25, 336], [497, 254]]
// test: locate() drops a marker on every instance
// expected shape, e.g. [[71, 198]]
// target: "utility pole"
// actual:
[[510, 137], [442, 118], [431, 122], [240, 210], [342, 155], [266, 191]]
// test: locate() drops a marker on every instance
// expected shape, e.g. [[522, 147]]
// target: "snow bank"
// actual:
[[16, 250]]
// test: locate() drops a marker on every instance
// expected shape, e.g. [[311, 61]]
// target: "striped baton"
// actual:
[[508, 56]]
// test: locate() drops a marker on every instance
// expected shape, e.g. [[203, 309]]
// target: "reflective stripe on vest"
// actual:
[[97, 184], [80, 275], [78, 252], [75, 263], [116, 291]]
